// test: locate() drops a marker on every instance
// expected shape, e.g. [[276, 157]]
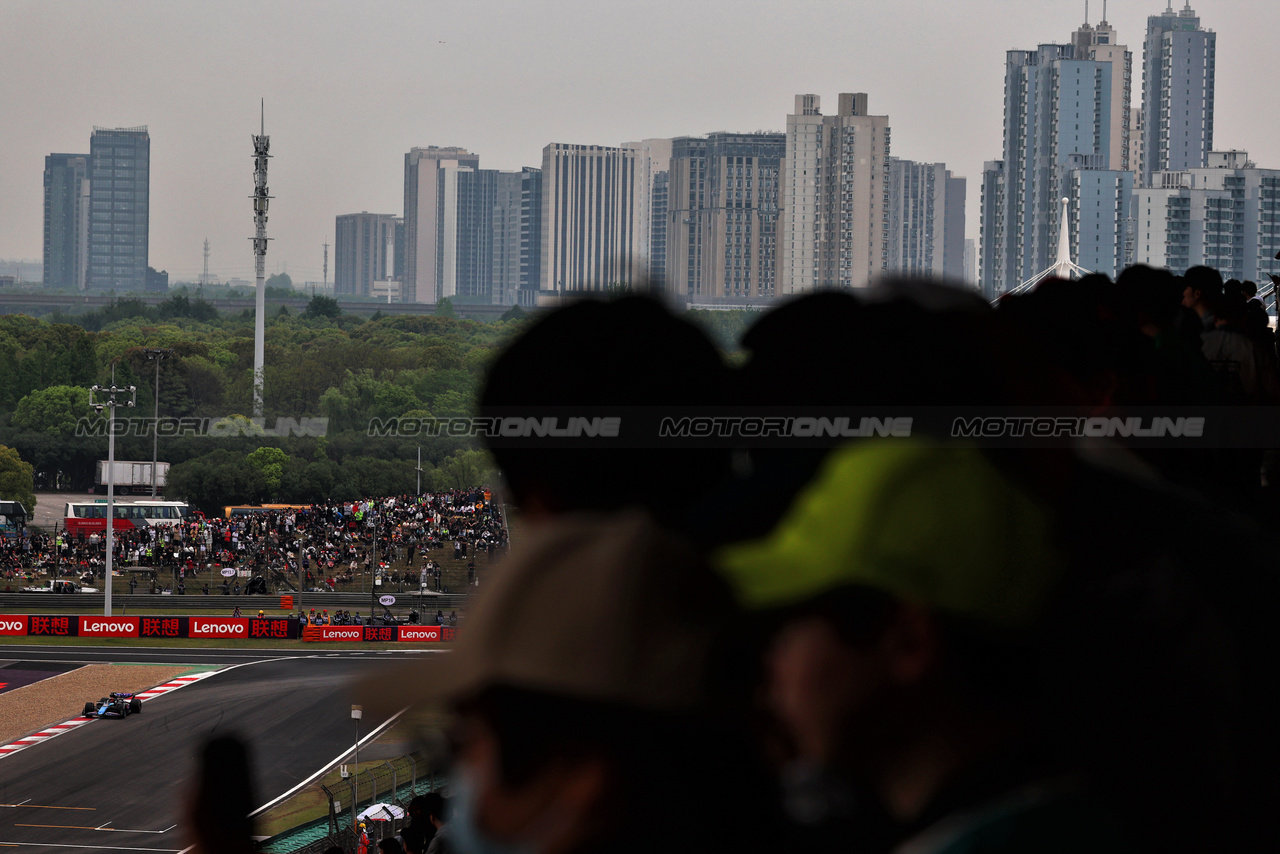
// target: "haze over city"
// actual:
[[350, 88]]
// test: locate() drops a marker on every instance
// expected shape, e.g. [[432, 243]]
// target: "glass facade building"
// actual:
[[119, 208]]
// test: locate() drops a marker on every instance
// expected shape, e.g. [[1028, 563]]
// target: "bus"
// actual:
[[13, 519], [249, 509], [91, 516]]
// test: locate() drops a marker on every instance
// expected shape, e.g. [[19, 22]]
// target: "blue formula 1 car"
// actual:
[[115, 705]]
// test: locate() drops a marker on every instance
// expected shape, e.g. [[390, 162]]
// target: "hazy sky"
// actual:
[[351, 86]]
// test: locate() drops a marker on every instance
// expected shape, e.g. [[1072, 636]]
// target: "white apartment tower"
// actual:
[[422, 173], [834, 229], [592, 218], [1177, 93], [653, 165], [1060, 116]]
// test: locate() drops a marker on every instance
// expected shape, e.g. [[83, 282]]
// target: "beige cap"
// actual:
[[609, 609]]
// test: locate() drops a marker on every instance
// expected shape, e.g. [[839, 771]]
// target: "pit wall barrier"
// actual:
[[222, 628]]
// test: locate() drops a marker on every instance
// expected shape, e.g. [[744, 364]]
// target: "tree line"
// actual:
[[319, 363]]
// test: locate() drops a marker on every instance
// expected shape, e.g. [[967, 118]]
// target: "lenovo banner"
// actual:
[[218, 627], [419, 633], [53, 626], [109, 627], [339, 633], [13, 625]]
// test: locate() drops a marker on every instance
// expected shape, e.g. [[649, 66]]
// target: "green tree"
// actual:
[[217, 479], [57, 410], [17, 479], [464, 470], [514, 313], [270, 462], [444, 308], [322, 306], [280, 280]]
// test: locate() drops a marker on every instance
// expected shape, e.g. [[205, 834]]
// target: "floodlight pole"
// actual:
[[106, 398]]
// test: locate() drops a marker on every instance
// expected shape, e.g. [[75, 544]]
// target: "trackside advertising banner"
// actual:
[[220, 628], [10, 625], [108, 627], [379, 634]]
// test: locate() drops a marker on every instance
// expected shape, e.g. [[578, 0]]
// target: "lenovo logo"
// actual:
[[419, 634], [218, 628], [96, 626], [343, 634], [13, 627]]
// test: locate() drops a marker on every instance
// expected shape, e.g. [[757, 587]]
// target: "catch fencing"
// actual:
[[395, 782]]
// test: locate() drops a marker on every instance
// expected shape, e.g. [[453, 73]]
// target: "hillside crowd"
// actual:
[[334, 544]]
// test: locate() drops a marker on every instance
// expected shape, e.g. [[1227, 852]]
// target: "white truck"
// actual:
[[131, 476], [56, 585]]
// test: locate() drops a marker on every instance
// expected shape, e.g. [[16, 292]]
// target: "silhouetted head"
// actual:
[[631, 352]]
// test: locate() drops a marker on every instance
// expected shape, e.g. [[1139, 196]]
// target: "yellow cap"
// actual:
[[940, 526]]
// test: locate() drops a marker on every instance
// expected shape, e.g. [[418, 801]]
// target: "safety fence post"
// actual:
[[395, 790], [373, 798]]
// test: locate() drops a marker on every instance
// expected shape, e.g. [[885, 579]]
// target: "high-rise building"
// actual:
[[421, 195], [722, 216], [364, 252], [487, 234], [1225, 215], [834, 228], [926, 220], [1060, 115], [659, 201], [66, 220], [1177, 92], [119, 208], [1101, 45], [1135, 143], [1100, 209], [517, 238], [591, 219], [991, 237], [653, 160]]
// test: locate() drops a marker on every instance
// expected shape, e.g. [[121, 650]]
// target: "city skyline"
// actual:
[[519, 79]]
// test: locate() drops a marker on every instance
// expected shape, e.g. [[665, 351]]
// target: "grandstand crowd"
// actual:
[[334, 545]]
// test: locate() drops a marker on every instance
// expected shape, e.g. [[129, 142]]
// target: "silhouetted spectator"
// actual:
[[641, 357]]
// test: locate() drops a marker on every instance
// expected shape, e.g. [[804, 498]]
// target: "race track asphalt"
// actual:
[[118, 785]]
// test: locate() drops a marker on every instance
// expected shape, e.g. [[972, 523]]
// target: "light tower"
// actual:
[[105, 398], [261, 147]]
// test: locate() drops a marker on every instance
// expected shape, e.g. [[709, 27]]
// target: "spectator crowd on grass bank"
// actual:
[[331, 546]]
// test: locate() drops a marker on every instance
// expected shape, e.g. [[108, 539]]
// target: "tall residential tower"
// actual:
[[66, 220], [119, 217], [1177, 93], [421, 192], [834, 230]]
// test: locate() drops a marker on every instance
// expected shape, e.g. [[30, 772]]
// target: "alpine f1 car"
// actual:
[[115, 705]]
